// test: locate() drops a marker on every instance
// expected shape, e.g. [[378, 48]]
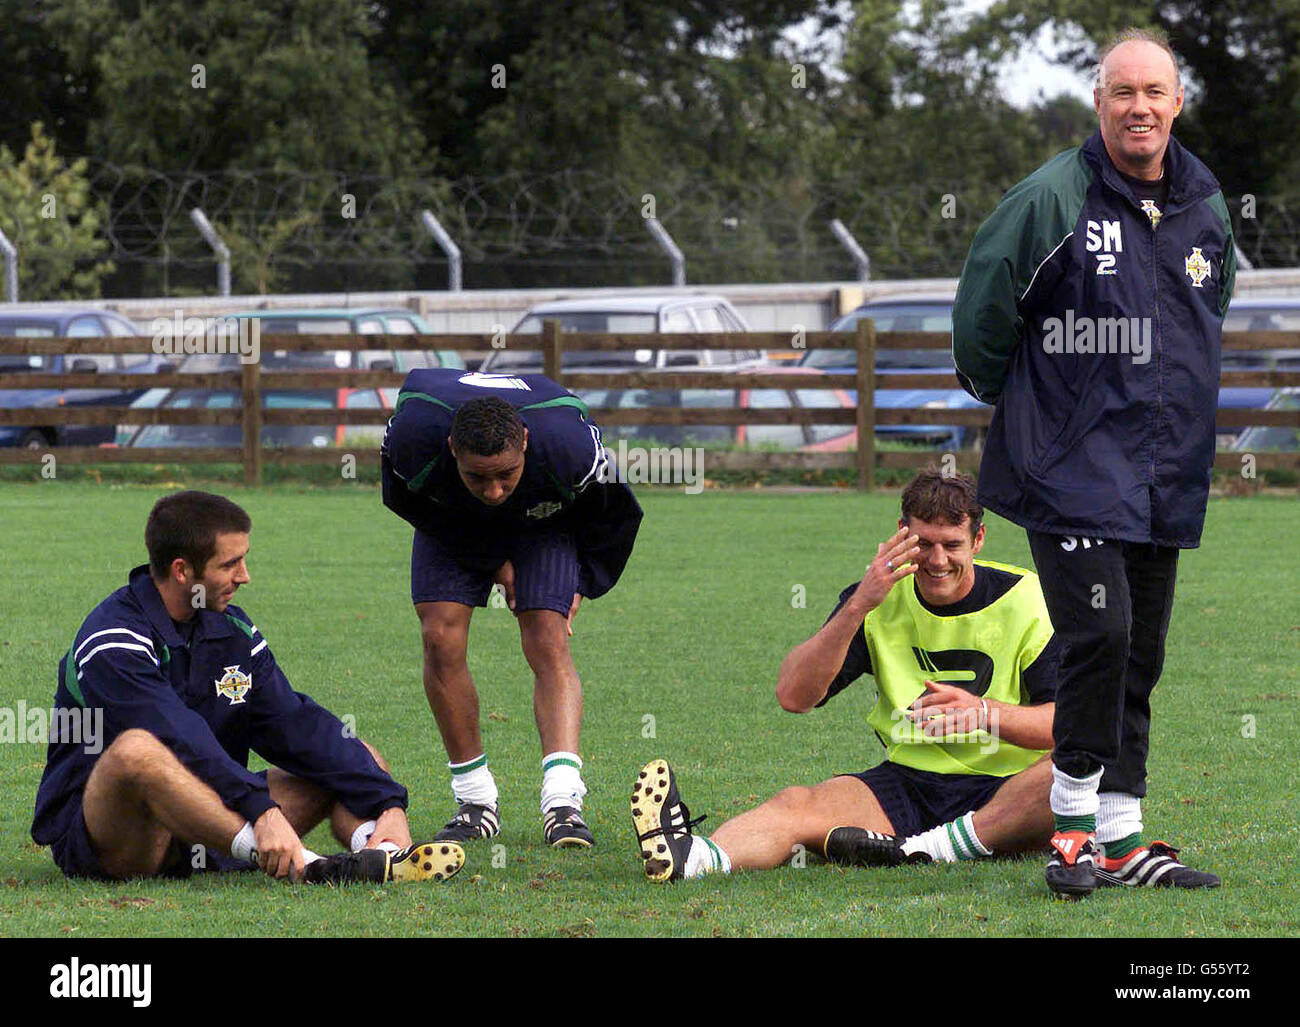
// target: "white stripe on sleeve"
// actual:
[[115, 645], [113, 631]]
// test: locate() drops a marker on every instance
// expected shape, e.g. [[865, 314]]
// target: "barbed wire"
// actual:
[[310, 224]]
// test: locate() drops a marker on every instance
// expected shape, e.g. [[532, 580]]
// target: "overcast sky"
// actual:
[[1030, 77], [1034, 76]]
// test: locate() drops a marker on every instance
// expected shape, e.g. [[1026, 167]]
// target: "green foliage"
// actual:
[[237, 84], [253, 251], [47, 212], [751, 122]]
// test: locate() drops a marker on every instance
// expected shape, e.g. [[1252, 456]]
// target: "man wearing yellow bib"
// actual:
[[964, 661]]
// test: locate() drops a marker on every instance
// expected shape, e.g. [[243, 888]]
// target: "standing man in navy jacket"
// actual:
[[505, 481], [1090, 312], [187, 687]]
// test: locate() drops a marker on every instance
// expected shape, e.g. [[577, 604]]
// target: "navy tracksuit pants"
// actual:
[[1110, 602]]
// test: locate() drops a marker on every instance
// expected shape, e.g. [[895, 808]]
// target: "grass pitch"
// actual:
[[680, 660]]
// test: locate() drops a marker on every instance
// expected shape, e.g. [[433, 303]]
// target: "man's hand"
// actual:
[[279, 849], [505, 577], [946, 710], [391, 826], [891, 565], [573, 610]]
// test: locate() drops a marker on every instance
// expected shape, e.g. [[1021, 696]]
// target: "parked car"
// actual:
[[921, 313], [79, 323], [358, 321], [814, 437], [272, 434], [1257, 314], [934, 314], [1285, 438], [630, 315]]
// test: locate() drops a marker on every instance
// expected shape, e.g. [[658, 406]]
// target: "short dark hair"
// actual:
[[942, 499], [487, 426], [186, 524]]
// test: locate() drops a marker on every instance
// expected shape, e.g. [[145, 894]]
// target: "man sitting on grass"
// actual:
[[188, 687], [965, 666]]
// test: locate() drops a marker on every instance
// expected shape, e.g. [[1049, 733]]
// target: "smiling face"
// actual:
[[225, 571], [491, 479], [945, 567], [1137, 99]]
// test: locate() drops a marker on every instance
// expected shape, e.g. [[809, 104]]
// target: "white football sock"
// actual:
[[949, 843], [471, 781], [1074, 796], [562, 781], [1118, 816], [244, 845], [706, 857], [362, 835]]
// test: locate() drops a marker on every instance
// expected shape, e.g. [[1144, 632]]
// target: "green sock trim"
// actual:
[[715, 854], [1124, 846], [954, 839], [464, 768], [969, 851], [1088, 824], [561, 761]]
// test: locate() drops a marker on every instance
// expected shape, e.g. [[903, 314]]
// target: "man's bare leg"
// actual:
[[765, 836], [444, 630], [557, 709], [557, 691], [139, 797], [1018, 818]]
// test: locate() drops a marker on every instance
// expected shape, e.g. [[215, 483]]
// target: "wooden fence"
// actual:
[[250, 380]]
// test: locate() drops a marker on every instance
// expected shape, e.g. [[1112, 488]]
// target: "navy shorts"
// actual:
[[546, 572], [917, 800]]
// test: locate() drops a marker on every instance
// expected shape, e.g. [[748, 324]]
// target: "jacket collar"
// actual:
[[1189, 179], [210, 624]]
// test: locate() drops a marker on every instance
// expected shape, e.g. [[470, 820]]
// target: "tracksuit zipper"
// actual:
[[1156, 341]]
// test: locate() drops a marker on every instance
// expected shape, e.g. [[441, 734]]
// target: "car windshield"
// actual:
[[590, 321], [28, 329], [271, 360], [891, 317], [582, 321], [305, 325], [231, 434]]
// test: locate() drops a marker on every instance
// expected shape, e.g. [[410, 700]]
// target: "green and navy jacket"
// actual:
[[1097, 336], [569, 484], [211, 700]]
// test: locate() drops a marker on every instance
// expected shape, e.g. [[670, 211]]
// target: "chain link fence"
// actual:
[[330, 232]]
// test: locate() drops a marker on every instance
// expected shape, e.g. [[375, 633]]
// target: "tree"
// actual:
[[38, 81], [47, 212], [237, 84], [925, 143]]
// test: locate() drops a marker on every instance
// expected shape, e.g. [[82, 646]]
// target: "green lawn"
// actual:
[[684, 650]]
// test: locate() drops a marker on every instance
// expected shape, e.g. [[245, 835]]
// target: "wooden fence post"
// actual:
[[251, 399], [866, 347], [552, 350]]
